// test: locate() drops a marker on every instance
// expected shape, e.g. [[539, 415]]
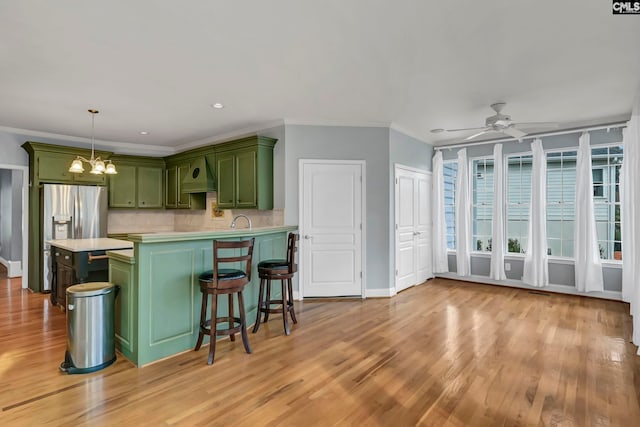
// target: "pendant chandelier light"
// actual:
[[98, 166]]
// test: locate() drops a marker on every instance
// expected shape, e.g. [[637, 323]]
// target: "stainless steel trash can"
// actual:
[[90, 328]]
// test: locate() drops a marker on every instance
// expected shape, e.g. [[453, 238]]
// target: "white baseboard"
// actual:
[[561, 289], [14, 268], [380, 293], [370, 293]]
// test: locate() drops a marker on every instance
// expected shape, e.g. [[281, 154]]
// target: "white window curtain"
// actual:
[[536, 260], [440, 261], [588, 266], [630, 217], [463, 206], [497, 233]]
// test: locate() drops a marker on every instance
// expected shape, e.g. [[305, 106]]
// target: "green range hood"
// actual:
[[199, 179]]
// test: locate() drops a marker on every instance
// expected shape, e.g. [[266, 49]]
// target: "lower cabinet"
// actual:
[[70, 268], [64, 278], [121, 274]]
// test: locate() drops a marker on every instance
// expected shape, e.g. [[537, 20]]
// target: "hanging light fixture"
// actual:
[[98, 166]]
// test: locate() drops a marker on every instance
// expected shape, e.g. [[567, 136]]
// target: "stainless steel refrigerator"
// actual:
[[70, 212]]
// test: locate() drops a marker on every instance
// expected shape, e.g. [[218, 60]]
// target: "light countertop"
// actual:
[[125, 255], [177, 236], [85, 245]]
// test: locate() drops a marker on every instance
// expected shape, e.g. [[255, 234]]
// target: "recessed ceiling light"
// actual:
[[217, 105], [144, 132], [438, 130]]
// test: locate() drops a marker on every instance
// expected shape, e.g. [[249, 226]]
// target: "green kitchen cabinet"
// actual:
[[171, 187], [244, 171], [138, 184], [184, 199], [54, 168], [122, 187], [174, 197], [225, 169], [150, 187], [49, 164]]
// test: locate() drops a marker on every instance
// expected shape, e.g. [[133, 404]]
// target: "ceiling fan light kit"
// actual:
[[500, 123]]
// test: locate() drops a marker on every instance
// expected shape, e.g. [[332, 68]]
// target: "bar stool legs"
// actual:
[[208, 327], [283, 270], [285, 304]]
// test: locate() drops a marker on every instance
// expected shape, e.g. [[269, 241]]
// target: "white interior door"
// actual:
[[331, 220], [423, 228], [413, 227]]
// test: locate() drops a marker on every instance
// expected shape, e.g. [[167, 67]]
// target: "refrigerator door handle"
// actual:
[[77, 216]]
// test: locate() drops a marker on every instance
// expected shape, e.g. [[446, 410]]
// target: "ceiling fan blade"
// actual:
[[516, 133], [529, 125], [457, 130], [475, 135]]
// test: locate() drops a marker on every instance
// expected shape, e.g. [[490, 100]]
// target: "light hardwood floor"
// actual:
[[443, 353]]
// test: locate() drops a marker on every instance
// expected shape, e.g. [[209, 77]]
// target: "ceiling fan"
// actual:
[[501, 123]]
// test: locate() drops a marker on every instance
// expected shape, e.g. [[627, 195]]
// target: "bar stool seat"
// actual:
[[283, 270], [223, 274], [224, 281], [274, 264]]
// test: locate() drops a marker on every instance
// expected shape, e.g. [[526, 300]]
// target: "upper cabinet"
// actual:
[[244, 172], [176, 173], [139, 183], [50, 164]]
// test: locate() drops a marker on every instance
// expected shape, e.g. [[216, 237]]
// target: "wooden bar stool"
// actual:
[[221, 281], [283, 270]]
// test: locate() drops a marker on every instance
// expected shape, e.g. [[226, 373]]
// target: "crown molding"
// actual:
[[409, 133], [115, 146], [337, 123], [229, 136]]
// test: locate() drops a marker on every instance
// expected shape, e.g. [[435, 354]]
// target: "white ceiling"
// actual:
[[158, 65]]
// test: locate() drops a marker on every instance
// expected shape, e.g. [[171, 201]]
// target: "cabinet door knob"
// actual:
[[66, 257]]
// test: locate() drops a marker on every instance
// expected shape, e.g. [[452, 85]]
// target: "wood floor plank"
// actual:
[[442, 353]]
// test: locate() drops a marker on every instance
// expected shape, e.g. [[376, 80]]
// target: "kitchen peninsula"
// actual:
[[158, 306]]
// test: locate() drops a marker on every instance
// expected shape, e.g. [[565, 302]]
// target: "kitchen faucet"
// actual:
[[233, 223]]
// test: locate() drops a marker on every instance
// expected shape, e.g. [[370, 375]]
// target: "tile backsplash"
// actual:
[[147, 221], [187, 220], [140, 221]]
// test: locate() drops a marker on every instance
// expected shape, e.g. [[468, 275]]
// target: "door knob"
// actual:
[[306, 236]]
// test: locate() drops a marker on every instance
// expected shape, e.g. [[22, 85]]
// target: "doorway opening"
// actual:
[[14, 184]]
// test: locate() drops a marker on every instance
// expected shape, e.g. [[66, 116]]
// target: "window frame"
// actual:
[[599, 200], [506, 204], [455, 231], [470, 168], [559, 258]]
